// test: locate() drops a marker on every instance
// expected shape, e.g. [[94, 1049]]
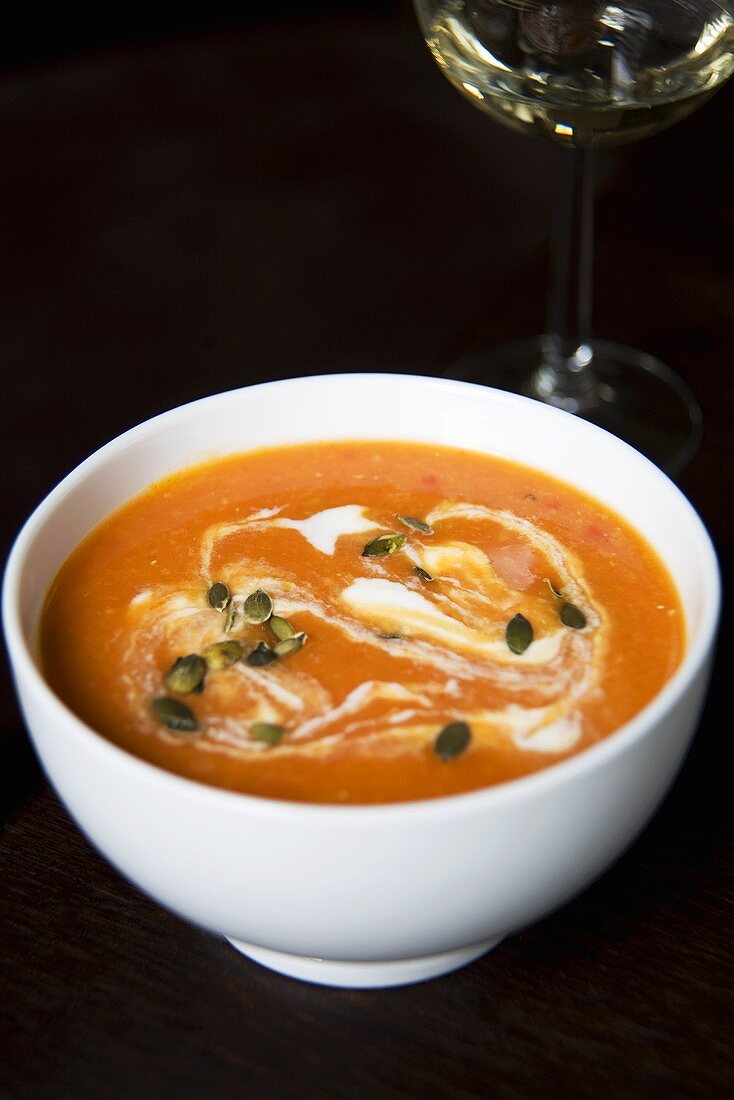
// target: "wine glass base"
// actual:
[[627, 392]]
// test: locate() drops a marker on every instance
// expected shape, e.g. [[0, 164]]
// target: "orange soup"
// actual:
[[360, 622]]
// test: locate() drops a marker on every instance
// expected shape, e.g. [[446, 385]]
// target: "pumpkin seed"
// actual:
[[553, 589], [423, 573], [261, 655], [267, 731], [415, 524], [518, 634], [222, 654], [452, 740], [290, 645], [218, 596], [186, 674], [281, 628], [572, 616], [174, 714], [232, 612], [390, 637], [258, 607], [383, 545]]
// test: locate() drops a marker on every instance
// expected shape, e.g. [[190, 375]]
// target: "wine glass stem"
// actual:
[[564, 377]]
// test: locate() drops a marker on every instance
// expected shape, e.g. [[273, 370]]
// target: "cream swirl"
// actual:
[[444, 640]]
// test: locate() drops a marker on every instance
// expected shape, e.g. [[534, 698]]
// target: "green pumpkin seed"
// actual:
[[174, 714], [572, 616], [415, 524], [281, 628], [261, 655], [258, 607], [390, 637], [223, 654], [218, 596], [232, 612], [518, 634], [553, 589], [452, 740], [186, 674], [383, 545], [267, 731], [290, 645], [423, 573]]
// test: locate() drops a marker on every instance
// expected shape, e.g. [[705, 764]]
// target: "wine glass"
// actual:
[[585, 73]]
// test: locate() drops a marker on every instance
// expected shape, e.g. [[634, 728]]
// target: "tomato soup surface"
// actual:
[[360, 622]]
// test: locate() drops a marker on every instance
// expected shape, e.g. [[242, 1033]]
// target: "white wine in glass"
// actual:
[[586, 74]]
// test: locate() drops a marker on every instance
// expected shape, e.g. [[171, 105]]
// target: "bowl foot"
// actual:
[[364, 975]]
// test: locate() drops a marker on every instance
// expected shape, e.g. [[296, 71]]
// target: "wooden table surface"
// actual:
[[188, 212]]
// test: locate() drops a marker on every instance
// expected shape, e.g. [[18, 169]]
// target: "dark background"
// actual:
[[190, 205]]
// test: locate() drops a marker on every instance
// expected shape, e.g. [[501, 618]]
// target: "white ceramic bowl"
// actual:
[[366, 895]]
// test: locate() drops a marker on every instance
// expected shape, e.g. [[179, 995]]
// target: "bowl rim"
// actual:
[[589, 759]]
